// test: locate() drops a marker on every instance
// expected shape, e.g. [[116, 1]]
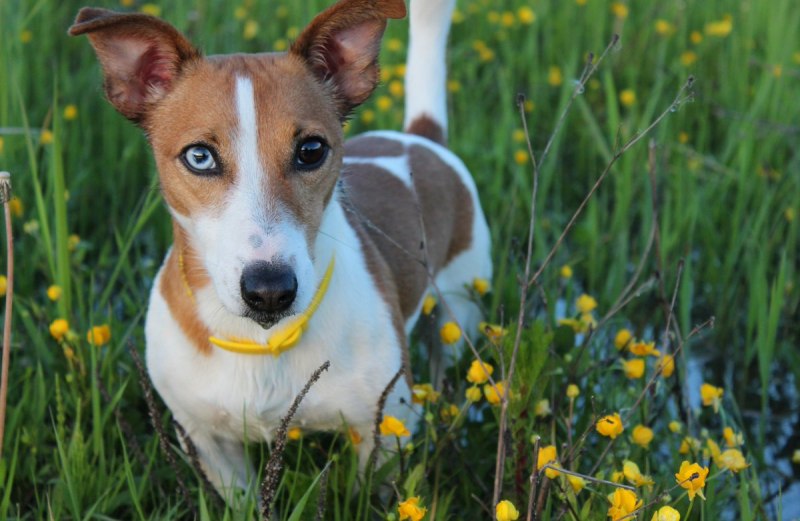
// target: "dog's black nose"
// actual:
[[268, 287]]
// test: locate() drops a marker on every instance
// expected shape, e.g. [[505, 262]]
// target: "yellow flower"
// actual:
[[689, 444], [623, 503], [573, 391], [282, 11], [453, 86], [58, 328], [250, 30], [796, 457], [73, 241], [99, 335], [572, 323], [526, 15], [506, 511], [683, 138], [720, 28], [15, 206], [542, 408], [622, 338], [410, 509], [2, 145], [634, 475], [580, 2], [576, 482], [384, 103], [396, 89], [733, 460], [666, 513], [664, 28], [3, 285], [473, 394], [627, 97], [355, 437], [240, 13], [46, 137], [292, 32], [633, 368], [565, 272], [554, 77], [26, 36], [547, 455], [458, 16], [479, 373], [777, 70], [481, 286], [486, 55], [421, 393], [644, 349], [586, 303], [449, 412], [400, 70], [450, 333], [692, 477], [688, 58], [386, 74], [610, 425], [280, 45], [642, 436], [493, 332], [394, 44], [151, 9], [493, 395], [528, 106], [617, 476], [391, 426], [368, 116], [54, 292], [696, 37], [620, 10], [294, 434], [507, 19], [675, 426], [711, 395], [666, 364], [732, 439], [521, 157], [428, 304], [788, 214], [70, 112]]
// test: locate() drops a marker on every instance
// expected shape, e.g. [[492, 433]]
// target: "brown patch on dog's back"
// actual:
[[425, 126]]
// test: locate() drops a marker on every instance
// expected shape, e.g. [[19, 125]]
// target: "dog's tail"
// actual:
[[426, 70]]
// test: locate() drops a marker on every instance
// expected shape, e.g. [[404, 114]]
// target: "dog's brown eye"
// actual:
[[310, 154]]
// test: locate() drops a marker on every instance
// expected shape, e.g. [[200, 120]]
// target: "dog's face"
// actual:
[[248, 147]]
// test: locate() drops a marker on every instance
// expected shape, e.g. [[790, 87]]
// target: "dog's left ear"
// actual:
[[341, 47]]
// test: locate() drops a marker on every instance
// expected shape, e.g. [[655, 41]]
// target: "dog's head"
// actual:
[[248, 147]]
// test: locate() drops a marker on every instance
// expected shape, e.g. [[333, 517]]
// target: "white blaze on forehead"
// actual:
[[249, 166]]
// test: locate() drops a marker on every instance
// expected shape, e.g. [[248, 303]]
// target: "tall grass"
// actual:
[[726, 195]]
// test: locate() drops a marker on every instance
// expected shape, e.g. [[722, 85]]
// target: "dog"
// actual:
[[291, 245]]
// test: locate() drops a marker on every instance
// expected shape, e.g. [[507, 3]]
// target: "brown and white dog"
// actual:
[[264, 192]]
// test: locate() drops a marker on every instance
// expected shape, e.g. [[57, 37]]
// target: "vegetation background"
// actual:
[[723, 173]]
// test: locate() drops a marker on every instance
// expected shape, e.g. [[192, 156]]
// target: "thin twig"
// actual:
[[376, 429], [194, 459], [274, 466], [5, 196]]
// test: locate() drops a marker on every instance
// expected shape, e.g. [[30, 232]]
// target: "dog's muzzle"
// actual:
[[268, 289]]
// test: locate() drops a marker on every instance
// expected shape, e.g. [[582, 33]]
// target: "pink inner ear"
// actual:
[[349, 57], [155, 69]]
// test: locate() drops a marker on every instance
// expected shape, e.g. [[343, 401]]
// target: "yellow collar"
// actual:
[[284, 337]]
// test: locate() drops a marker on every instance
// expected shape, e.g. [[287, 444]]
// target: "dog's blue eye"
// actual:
[[310, 153], [200, 160]]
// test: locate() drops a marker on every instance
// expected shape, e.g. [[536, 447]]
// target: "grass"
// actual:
[[714, 185]]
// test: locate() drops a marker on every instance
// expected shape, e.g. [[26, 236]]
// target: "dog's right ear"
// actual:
[[140, 54]]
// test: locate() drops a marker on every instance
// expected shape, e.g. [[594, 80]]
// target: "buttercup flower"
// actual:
[[642, 436], [450, 333], [58, 328], [576, 482], [3, 285], [610, 425], [473, 393], [526, 15], [623, 502], [99, 335], [711, 395], [796, 457], [627, 97], [449, 412], [294, 434], [54, 292], [506, 511], [421, 393], [391, 426], [689, 444], [547, 455], [666, 364], [586, 303], [493, 332], [732, 439], [664, 28], [620, 10], [733, 460], [666, 513], [692, 477], [554, 77], [644, 349], [622, 338], [634, 475], [70, 112], [633, 368], [410, 509], [617, 476], [565, 272], [478, 373], [428, 304], [573, 391], [15, 205], [481, 286], [675, 426], [493, 395], [720, 28], [713, 448]]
